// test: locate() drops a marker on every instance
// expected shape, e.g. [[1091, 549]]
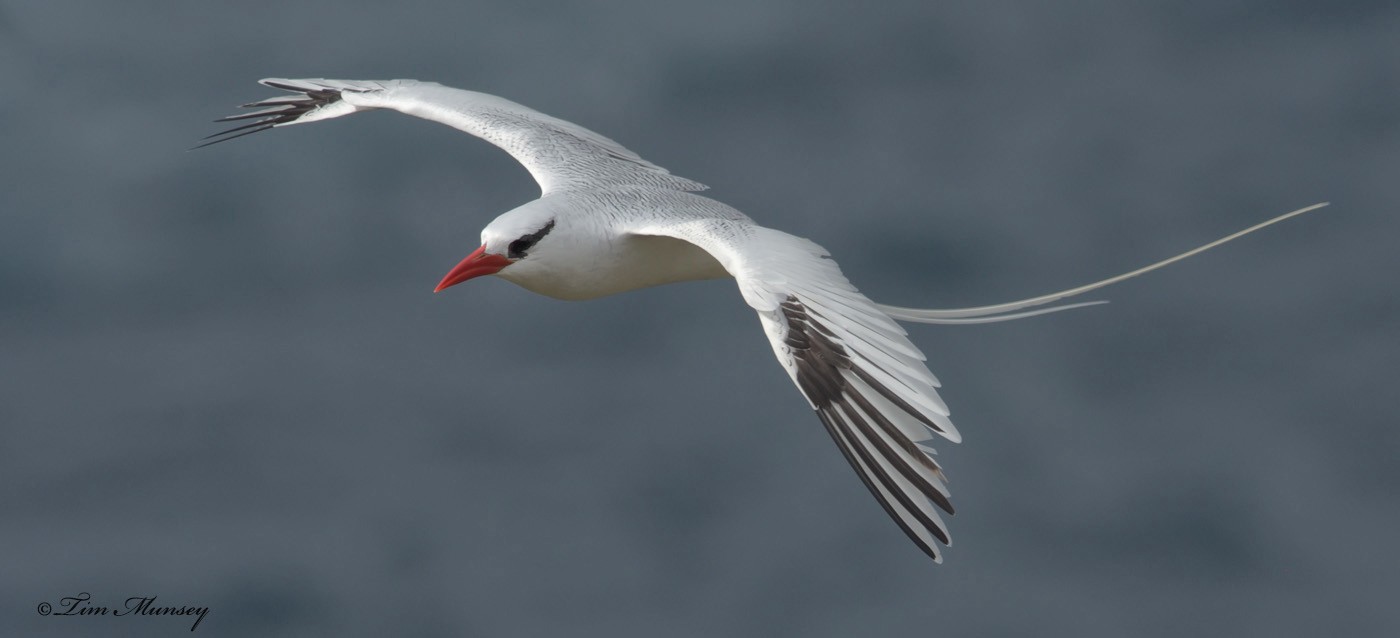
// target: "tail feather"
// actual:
[[997, 312]]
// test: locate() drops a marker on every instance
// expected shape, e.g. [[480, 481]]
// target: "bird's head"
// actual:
[[507, 242]]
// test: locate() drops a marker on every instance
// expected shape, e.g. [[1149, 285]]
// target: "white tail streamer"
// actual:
[[994, 313]]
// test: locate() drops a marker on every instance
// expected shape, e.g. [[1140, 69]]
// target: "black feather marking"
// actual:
[[295, 108], [264, 128], [846, 451], [517, 248], [820, 361], [249, 116], [894, 398], [286, 87], [884, 476], [277, 101], [907, 471], [884, 390], [239, 128]]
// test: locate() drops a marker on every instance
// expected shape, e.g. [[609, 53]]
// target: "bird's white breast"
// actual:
[[591, 265]]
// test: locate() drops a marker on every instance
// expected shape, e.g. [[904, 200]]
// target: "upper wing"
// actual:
[[866, 381], [558, 154]]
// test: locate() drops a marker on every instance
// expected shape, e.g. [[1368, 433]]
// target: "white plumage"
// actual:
[[608, 221]]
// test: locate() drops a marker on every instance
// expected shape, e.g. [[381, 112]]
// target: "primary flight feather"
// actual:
[[608, 221]]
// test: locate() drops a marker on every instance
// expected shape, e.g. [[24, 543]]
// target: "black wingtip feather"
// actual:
[[905, 501], [242, 127], [279, 85], [919, 481], [848, 452], [247, 116], [294, 108], [821, 360]]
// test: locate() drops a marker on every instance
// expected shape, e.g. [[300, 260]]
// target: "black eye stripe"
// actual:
[[517, 248]]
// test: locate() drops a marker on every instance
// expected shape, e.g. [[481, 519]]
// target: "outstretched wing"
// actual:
[[557, 153], [866, 381]]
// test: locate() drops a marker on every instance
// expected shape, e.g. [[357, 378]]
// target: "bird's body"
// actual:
[[592, 251], [608, 221]]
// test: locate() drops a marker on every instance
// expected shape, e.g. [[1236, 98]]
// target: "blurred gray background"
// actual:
[[224, 379]]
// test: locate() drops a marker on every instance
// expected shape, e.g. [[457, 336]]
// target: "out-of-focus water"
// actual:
[[224, 380]]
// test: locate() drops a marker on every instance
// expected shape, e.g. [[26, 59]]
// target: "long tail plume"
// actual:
[[998, 312]]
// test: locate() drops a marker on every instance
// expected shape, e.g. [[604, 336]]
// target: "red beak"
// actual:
[[475, 265]]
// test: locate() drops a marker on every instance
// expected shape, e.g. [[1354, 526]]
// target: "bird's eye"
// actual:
[[517, 248]]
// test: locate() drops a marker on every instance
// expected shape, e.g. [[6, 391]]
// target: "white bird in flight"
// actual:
[[608, 221]]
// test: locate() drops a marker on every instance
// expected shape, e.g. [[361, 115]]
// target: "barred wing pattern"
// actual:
[[866, 381]]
